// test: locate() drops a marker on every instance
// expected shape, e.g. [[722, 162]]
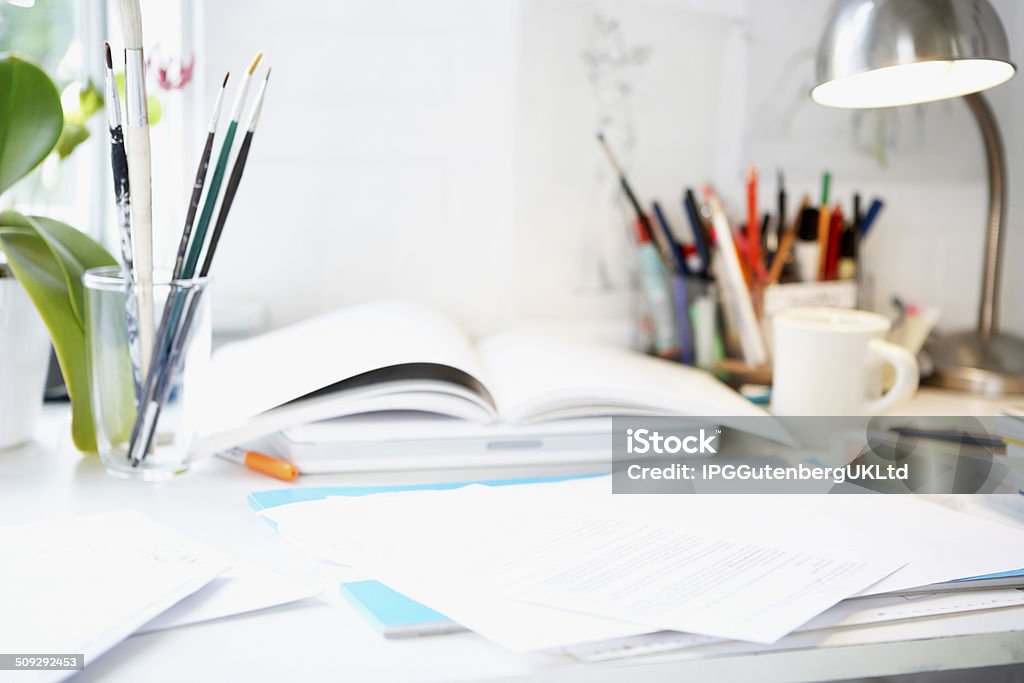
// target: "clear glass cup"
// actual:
[[116, 384]]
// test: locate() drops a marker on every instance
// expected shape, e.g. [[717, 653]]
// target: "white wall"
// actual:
[[445, 150]]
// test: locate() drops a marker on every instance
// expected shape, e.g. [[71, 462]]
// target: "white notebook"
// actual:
[[397, 356]]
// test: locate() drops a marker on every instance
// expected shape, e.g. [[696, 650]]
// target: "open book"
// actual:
[[397, 356]]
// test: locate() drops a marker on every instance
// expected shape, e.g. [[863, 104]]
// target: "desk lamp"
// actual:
[[888, 53]]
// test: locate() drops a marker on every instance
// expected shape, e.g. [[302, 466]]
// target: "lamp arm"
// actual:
[[995, 157]]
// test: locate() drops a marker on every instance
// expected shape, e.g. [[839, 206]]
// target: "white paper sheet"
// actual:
[[407, 540], [938, 543], [82, 585], [326, 530], [243, 588], [855, 612], [668, 579], [500, 548]]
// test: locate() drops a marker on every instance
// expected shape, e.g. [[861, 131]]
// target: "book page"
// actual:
[[536, 377], [262, 373]]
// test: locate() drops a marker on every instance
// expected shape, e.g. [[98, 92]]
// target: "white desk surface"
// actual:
[[323, 639]]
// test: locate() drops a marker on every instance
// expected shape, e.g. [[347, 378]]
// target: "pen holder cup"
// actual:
[[174, 383]]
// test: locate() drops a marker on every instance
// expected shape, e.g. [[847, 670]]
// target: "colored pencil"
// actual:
[[786, 245], [753, 226], [835, 235], [732, 282]]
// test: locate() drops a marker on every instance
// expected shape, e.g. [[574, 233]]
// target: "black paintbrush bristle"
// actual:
[[110, 60]]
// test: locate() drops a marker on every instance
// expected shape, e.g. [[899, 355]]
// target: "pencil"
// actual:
[[780, 223], [139, 173], [753, 225], [786, 245]]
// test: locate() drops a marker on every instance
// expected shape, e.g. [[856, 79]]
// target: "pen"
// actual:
[[697, 225], [870, 216], [780, 223], [260, 462], [824, 225], [675, 251], [950, 435], [835, 234]]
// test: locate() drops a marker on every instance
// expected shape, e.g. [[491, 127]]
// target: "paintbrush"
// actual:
[[181, 336], [139, 173], [197, 187], [212, 194], [172, 309], [122, 199], [645, 222]]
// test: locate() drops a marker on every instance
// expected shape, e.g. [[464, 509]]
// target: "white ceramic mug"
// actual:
[[24, 359], [827, 360]]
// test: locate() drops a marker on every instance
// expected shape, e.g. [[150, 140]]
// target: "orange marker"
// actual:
[[754, 226], [266, 464]]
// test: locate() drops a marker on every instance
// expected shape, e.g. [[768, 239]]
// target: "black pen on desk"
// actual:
[[950, 436]]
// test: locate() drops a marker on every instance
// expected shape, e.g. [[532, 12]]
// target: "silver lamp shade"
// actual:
[[885, 53]]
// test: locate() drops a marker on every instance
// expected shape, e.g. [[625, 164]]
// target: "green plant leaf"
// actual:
[[71, 137], [48, 258], [31, 118]]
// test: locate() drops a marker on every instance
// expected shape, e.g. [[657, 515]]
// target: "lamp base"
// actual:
[[965, 362]]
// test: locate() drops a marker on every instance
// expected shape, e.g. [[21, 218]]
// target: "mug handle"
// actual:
[[907, 375]]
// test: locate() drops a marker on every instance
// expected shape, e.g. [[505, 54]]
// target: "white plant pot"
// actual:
[[24, 359]]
